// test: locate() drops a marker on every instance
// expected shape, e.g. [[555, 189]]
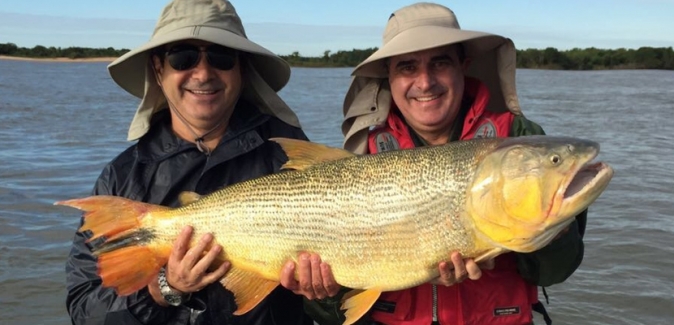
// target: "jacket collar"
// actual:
[[161, 143]]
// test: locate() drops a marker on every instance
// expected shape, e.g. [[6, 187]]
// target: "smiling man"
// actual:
[[427, 87], [431, 83], [201, 94], [208, 106]]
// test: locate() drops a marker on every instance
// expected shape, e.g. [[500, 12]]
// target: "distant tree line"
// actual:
[[549, 58], [40, 51], [597, 59], [338, 59]]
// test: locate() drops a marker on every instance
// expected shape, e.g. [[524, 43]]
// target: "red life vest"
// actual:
[[501, 296]]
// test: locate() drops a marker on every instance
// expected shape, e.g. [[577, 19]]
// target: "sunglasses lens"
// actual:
[[183, 57], [221, 58]]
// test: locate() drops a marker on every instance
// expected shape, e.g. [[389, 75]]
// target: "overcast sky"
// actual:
[[311, 27]]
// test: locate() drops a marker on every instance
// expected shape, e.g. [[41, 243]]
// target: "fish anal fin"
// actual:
[[358, 302], [304, 154], [188, 197], [249, 288]]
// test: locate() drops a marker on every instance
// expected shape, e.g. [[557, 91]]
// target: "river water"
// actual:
[[61, 122]]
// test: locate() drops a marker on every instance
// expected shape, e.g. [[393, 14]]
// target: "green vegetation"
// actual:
[[340, 59], [549, 58], [597, 59], [42, 52]]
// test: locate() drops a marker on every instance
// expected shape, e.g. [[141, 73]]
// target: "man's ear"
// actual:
[[466, 64], [158, 68]]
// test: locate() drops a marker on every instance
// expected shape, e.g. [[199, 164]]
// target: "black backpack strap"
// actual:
[[540, 308]]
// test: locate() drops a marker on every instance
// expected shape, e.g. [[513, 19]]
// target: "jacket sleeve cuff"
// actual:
[[555, 262], [143, 307]]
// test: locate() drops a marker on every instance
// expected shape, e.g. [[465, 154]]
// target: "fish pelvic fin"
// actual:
[[126, 261], [249, 288], [304, 154], [490, 254], [358, 302]]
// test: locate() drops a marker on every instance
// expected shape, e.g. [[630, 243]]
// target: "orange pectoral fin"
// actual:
[[248, 287], [358, 302]]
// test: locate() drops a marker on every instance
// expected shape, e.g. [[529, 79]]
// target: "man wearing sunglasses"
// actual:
[[208, 106]]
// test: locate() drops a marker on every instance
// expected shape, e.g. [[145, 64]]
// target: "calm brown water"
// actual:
[[61, 122]]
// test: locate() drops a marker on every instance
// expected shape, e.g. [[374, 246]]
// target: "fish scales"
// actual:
[[359, 214]]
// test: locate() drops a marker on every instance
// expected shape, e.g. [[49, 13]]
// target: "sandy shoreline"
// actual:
[[18, 58]]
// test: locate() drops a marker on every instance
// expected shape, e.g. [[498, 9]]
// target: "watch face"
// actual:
[[174, 300]]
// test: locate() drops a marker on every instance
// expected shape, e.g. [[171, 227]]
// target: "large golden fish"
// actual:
[[383, 222]]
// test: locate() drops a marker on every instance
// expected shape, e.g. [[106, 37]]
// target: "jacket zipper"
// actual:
[[435, 305]]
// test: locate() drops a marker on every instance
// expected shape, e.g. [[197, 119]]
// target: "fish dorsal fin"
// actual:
[[188, 197], [358, 302], [249, 288], [304, 154]]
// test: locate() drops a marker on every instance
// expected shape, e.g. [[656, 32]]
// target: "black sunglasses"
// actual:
[[186, 56]]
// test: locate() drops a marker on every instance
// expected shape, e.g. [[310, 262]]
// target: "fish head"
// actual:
[[528, 189]]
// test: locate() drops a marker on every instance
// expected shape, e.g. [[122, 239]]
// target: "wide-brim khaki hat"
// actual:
[[214, 21], [419, 27]]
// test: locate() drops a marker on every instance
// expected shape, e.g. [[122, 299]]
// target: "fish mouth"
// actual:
[[589, 178], [585, 186]]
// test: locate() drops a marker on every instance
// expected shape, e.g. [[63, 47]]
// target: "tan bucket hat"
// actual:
[[418, 27], [214, 21]]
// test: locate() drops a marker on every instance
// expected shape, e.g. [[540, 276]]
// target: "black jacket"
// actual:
[[156, 170]]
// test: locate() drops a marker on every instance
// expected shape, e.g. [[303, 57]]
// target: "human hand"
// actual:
[[187, 270], [315, 279], [460, 269]]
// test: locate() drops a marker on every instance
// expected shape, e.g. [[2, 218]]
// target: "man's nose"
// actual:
[[426, 79], [203, 70]]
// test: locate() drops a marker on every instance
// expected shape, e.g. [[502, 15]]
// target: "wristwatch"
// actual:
[[172, 297]]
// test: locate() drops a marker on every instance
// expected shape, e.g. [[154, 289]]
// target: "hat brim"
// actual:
[[423, 38], [128, 71]]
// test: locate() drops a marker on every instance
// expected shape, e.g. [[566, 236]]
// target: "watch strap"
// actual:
[[172, 296]]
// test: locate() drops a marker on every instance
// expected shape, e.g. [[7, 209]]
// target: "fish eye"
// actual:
[[555, 159]]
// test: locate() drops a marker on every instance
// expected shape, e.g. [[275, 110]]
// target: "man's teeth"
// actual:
[[426, 99], [203, 92]]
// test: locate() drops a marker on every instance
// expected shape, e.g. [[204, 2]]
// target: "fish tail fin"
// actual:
[[127, 260]]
